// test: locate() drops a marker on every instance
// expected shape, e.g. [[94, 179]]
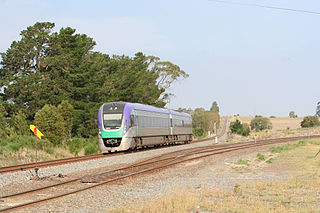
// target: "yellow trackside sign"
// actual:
[[36, 131]]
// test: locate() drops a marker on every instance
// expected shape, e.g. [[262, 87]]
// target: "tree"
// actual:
[[204, 120], [66, 110], [260, 123], [22, 65], [20, 123], [292, 114], [46, 67], [236, 126], [214, 107], [167, 73], [51, 123], [3, 122], [310, 121], [318, 109]]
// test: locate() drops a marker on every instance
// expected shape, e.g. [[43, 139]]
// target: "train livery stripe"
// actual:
[[112, 134]]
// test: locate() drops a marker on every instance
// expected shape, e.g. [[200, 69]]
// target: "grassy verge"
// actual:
[[18, 149], [300, 193]]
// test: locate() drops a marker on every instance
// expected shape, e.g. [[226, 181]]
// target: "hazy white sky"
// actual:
[[250, 60]]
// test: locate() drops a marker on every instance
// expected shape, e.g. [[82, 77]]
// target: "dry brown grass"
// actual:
[[281, 127], [298, 194], [278, 123]]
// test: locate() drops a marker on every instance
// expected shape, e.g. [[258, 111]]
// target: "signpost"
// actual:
[[38, 134]]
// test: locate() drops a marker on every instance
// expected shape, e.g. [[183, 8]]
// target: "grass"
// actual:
[[17, 149], [243, 162], [271, 160], [287, 147], [260, 157], [299, 193]]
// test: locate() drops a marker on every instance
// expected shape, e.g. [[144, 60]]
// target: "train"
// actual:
[[128, 126]]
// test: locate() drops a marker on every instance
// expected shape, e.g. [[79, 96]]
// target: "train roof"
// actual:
[[154, 109]]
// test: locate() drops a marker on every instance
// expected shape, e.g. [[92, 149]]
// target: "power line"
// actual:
[[266, 6]]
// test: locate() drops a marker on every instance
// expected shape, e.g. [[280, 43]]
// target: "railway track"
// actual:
[[15, 201], [29, 166]]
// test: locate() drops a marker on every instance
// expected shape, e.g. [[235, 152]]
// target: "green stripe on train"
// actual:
[[112, 134]]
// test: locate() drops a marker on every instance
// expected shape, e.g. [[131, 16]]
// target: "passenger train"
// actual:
[[128, 126]]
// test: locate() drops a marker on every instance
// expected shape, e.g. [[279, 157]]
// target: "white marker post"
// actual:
[[215, 131]]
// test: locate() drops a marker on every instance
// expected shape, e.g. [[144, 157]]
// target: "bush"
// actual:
[[245, 130], [51, 124], [310, 121], [239, 128], [236, 126], [91, 149], [198, 132], [260, 123], [75, 145]]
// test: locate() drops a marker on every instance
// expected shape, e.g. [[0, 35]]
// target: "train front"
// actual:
[[113, 127]]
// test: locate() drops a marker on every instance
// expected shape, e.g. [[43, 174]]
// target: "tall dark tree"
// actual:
[[214, 107], [22, 64], [46, 67]]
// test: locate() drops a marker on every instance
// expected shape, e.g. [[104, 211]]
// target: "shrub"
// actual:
[[245, 130], [310, 121], [239, 128], [91, 149], [198, 132], [75, 145], [235, 126], [260, 123], [51, 124]]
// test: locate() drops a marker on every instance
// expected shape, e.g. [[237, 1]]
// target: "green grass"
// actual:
[[271, 160], [287, 147], [243, 162], [261, 157]]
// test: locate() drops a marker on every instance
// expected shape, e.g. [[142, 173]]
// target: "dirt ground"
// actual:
[[294, 186]]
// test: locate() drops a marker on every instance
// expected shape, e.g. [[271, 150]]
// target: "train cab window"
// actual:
[[112, 121], [131, 121]]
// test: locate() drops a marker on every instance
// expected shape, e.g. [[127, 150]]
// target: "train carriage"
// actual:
[[124, 126]]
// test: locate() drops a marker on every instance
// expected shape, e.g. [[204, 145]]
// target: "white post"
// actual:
[[255, 139], [215, 132]]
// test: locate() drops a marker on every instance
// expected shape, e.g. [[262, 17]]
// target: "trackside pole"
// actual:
[[215, 131], [35, 136]]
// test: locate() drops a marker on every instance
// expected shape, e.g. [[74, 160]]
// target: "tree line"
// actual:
[[55, 78]]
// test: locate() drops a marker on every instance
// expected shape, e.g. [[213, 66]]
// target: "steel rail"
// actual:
[[29, 166], [173, 161]]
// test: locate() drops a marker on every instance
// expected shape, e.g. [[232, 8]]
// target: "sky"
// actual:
[[250, 60]]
